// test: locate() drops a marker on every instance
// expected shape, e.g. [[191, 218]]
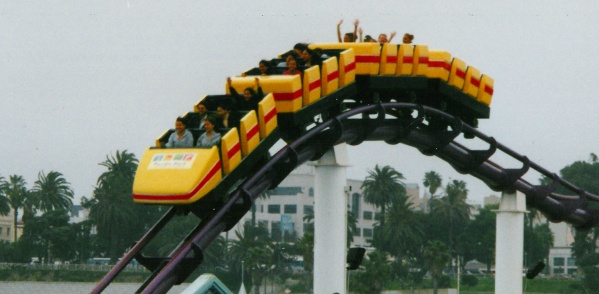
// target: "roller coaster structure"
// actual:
[[425, 112]]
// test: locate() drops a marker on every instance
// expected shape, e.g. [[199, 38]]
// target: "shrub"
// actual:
[[444, 281], [470, 280]]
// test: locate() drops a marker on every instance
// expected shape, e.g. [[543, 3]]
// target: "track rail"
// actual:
[[378, 122]]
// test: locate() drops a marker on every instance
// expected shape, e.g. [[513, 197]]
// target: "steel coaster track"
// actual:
[[419, 129]]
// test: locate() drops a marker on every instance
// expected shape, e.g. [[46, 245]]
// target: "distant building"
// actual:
[[424, 203], [20, 226], [78, 214], [413, 193], [474, 209], [282, 213], [561, 262], [7, 227], [491, 200]]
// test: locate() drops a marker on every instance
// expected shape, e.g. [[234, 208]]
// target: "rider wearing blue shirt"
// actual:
[[181, 138]]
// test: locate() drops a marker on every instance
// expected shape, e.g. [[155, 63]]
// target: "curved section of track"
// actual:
[[377, 123]]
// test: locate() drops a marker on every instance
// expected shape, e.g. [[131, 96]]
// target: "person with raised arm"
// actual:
[[383, 38], [250, 98], [348, 37], [367, 38]]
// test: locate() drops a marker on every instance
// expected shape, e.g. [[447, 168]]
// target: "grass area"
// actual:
[[483, 285], [487, 285], [17, 274], [42, 275]]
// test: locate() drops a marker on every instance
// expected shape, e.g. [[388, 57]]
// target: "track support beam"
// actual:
[[330, 222], [510, 243]]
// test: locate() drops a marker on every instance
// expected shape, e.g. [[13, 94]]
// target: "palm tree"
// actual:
[[352, 227], [122, 166], [403, 232], [172, 234], [381, 187], [52, 191], [14, 189], [432, 180], [112, 209], [4, 200], [480, 236], [216, 254], [530, 218], [305, 246], [377, 272], [452, 210], [251, 247], [111, 214], [436, 257], [264, 195]]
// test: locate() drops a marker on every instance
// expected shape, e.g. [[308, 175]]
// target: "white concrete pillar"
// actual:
[[510, 243], [330, 222]]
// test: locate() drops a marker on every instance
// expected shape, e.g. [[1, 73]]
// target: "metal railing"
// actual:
[[68, 266]]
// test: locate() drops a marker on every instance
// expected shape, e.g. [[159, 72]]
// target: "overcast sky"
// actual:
[[82, 79]]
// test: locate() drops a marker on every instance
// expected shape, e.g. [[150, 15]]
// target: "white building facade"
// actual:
[[561, 262], [283, 211], [7, 227]]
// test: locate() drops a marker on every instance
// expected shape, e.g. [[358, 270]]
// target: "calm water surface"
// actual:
[[67, 288]]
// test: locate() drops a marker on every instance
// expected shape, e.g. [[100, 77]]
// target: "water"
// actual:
[[67, 288]]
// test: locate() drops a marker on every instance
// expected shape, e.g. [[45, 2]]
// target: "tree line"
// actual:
[[114, 223], [408, 243], [411, 243]]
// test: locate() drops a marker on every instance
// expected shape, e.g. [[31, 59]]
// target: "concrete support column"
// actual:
[[510, 243], [330, 222]]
